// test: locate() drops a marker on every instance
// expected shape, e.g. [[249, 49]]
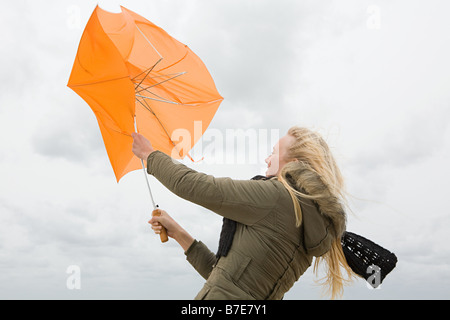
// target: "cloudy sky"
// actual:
[[371, 76]]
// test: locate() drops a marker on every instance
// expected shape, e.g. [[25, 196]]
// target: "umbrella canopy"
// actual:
[[133, 73]]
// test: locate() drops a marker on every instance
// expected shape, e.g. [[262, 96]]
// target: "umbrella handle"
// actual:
[[163, 234]]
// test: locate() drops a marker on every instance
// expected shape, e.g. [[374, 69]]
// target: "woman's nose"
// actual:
[[267, 159]]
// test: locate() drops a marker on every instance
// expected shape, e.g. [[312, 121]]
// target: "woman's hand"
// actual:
[[167, 221], [141, 146], [174, 230]]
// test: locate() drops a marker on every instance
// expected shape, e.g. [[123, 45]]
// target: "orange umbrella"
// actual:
[[133, 74]]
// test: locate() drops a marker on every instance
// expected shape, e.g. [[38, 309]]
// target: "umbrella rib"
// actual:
[[95, 82], [157, 84], [150, 110], [161, 98], [156, 95], [148, 41], [146, 106], [160, 76], [166, 101], [150, 70], [146, 88]]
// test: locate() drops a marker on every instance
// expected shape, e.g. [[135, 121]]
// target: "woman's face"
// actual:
[[279, 157]]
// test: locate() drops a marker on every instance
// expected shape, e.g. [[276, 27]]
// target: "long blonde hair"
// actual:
[[311, 150]]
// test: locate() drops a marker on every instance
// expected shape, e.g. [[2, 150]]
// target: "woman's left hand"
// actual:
[[141, 146]]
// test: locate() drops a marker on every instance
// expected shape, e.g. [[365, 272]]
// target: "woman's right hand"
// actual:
[[174, 230]]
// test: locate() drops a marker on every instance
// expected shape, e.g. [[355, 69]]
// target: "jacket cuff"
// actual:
[[191, 247]]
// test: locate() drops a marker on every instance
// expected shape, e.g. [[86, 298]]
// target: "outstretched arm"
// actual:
[[244, 201]]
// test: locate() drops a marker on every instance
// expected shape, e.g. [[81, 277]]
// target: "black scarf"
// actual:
[[229, 229]]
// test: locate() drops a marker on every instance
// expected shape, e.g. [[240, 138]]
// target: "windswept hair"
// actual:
[[326, 187]]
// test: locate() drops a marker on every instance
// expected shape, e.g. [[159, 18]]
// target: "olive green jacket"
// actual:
[[269, 253]]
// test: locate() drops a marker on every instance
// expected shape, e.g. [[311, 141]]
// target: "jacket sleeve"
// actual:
[[244, 201], [201, 258]]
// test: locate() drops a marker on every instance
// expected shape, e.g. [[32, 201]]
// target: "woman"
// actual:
[[273, 227]]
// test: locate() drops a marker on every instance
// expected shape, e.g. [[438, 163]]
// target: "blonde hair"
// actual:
[[310, 150]]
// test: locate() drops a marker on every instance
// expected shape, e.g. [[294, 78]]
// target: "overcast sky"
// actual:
[[371, 76]]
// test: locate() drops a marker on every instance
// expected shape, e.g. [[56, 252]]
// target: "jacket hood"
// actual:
[[323, 219]]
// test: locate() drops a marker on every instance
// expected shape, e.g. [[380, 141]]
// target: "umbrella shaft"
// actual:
[[148, 186], [155, 206]]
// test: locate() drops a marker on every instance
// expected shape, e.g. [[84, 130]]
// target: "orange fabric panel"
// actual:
[[127, 67]]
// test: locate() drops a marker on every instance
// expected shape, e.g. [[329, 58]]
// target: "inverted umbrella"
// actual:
[[135, 76]]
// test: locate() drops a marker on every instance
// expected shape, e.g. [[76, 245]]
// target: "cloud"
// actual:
[[380, 96], [251, 55], [69, 133]]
